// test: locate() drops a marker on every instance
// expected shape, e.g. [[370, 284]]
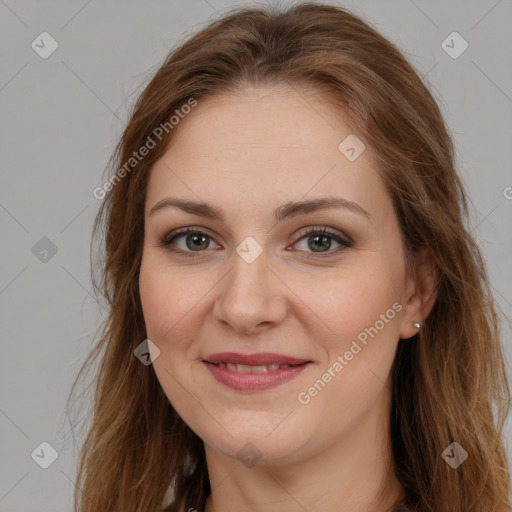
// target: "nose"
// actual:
[[251, 298]]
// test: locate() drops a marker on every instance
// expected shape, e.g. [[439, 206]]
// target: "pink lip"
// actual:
[[247, 381]]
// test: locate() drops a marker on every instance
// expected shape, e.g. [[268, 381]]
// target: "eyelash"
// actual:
[[167, 241]]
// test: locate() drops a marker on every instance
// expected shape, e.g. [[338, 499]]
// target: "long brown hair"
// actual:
[[448, 381]]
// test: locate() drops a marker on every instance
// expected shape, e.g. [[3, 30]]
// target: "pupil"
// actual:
[[201, 242], [196, 241], [325, 241]]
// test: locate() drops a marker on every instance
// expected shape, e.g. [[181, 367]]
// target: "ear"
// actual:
[[421, 293]]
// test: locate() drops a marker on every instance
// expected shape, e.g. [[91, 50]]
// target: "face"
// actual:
[[260, 278]]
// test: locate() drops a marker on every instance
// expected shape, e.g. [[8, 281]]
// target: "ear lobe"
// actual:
[[423, 292]]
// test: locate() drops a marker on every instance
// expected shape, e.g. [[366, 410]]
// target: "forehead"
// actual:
[[264, 146]]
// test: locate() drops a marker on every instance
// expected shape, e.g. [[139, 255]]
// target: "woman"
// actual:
[[285, 243]]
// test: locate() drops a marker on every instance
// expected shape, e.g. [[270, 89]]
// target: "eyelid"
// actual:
[[186, 230], [333, 233]]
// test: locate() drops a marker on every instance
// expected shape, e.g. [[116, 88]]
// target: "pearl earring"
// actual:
[[417, 325]]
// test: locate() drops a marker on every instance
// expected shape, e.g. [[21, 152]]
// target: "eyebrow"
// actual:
[[287, 210]]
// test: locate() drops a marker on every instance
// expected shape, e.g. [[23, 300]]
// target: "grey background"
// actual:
[[60, 118]]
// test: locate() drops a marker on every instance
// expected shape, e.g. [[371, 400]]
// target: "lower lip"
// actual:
[[246, 381]]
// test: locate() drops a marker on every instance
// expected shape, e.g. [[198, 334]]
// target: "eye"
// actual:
[[194, 241], [319, 241]]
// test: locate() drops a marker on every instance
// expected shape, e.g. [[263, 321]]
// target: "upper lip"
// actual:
[[253, 359]]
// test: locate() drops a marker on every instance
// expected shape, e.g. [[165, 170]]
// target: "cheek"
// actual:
[[352, 299], [361, 307], [169, 298], [169, 305]]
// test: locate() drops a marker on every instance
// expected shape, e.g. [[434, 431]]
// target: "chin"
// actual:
[[259, 441], [251, 451]]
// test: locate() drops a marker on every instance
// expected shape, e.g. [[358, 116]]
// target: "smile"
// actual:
[[248, 378], [262, 368]]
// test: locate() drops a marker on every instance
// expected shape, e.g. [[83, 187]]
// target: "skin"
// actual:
[[248, 153]]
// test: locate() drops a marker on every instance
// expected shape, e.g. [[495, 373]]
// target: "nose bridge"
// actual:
[[249, 274], [250, 294]]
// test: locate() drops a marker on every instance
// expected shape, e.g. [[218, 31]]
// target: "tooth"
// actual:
[[262, 368], [259, 369]]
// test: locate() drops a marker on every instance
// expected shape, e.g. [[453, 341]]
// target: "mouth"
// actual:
[[262, 368], [263, 359], [254, 372]]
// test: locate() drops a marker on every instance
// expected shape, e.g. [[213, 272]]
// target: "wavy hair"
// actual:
[[449, 381]]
